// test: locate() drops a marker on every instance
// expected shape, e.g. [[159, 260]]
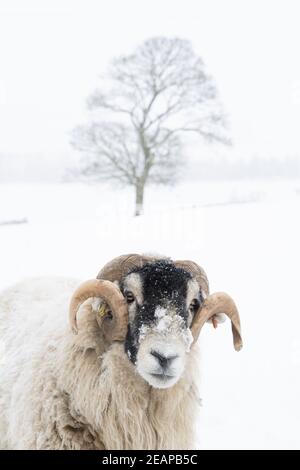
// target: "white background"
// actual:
[[244, 233]]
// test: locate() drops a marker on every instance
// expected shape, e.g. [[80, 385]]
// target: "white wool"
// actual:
[[188, 338]]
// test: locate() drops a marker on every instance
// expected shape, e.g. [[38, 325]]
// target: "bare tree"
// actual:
[[139, 116]]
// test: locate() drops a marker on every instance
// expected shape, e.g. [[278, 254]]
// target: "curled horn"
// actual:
[[196, 271], [105, 288], [107, 291], [219, 302], [117, 268]]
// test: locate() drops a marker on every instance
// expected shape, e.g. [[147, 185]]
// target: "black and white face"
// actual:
[[162, 300]]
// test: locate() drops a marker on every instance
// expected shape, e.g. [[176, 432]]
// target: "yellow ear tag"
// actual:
[[102, 310]]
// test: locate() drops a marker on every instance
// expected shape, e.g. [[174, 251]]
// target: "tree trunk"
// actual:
[[139, 198]]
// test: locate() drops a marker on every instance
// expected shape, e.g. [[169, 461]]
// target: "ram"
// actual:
[[124, 376]]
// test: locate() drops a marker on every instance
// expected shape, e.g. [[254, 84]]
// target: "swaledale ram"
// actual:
[[124, 376]]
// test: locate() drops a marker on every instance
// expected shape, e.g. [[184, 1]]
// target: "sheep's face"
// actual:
[[162, 300]]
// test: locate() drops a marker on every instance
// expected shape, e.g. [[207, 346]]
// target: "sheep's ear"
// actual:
[[101, 309], [217, 319], [109, 293], [106, 320]]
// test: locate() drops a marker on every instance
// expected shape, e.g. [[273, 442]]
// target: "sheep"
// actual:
[[124, 376]]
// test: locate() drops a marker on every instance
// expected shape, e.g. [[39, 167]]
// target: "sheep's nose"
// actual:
[[164, 361]]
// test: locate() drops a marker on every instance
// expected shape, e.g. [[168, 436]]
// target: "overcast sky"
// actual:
[[51, 53]]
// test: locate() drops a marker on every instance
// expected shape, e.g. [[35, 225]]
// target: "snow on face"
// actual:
[[160, 312], [168, 325], [163, 347], [159, 316], [171, 324]]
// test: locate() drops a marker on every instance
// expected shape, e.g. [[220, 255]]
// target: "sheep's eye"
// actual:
[[129, 297], [109, 314], [194, 305]]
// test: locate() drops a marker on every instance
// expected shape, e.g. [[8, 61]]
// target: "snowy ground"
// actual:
[[246, 235]]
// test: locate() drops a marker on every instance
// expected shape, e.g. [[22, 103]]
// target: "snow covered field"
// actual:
[[246, 236]]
